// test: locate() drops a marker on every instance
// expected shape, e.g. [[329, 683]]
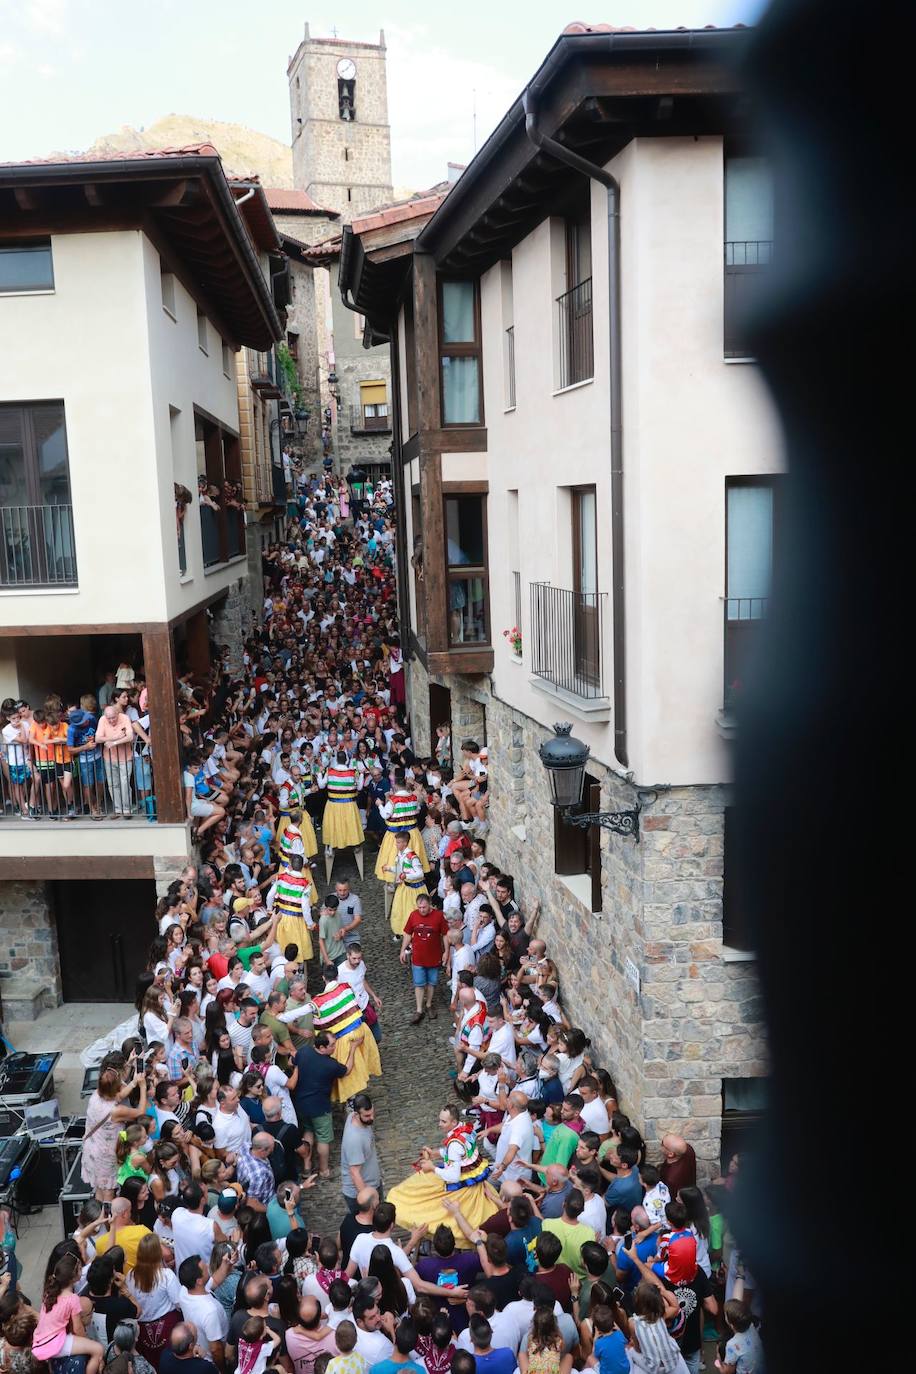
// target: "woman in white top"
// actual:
[[157, 1023], [157, 1293], [571, 1058]]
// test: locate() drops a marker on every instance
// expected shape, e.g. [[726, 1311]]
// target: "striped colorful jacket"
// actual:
[[342, 784], [405, 808], [337, 1010], [291, 894]]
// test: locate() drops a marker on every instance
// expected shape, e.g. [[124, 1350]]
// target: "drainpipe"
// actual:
[[618, 584]]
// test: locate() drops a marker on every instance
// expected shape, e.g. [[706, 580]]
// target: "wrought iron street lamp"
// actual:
[[565, 758]]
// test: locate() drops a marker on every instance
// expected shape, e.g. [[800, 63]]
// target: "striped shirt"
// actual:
[[337, 1010], [411, 867], [658, 1350], [401, 810], [290, 894], [342, 784], [291, 842]]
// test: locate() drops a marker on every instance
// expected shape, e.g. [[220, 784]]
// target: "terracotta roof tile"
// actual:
[[119, 155], [285, 198], [577, 26]]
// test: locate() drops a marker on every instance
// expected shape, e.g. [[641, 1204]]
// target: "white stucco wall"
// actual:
[[690, 420], [182, 376], [102, 343]]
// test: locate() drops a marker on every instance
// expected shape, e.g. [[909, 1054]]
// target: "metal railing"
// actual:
[[576, 344], [361, 423], [37, 546], [510, 367], [182, 551], [222, 533], [567, 639], [743, 620], [747, 262], [46, 782]]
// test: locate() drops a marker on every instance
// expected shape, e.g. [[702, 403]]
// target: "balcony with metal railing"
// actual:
[[222, 533], [37, 547], [747, 266], [363, 422], [744, 618], [576, 355], [47, 782], [567, 645]]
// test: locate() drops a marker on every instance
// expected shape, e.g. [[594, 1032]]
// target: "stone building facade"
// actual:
[[560, 469], [345, 165], [668, 1013], [341, 161]]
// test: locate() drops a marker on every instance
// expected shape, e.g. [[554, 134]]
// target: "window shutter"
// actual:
[[373, 393]]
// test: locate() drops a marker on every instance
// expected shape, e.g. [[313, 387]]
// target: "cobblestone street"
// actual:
[[415, 1059]]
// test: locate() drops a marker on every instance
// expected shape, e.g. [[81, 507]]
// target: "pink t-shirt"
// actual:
[[304, 1349], [51, 1331]]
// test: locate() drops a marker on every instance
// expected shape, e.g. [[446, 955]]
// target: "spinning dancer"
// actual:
[[456, 1170], [337, 1013]]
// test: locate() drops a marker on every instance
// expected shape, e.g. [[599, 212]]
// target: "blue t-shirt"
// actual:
[[624, 1192], [317, 1075], [517, 1241], [501, 1361], [612, 1354], [645, 1250], [389, 1367]]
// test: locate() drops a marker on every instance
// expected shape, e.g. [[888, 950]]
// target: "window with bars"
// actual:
[[37, 544]]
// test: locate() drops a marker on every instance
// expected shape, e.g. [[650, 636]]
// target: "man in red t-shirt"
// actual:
[[424, 937]]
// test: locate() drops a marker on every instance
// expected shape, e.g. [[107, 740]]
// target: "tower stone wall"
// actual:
[[343, 164]]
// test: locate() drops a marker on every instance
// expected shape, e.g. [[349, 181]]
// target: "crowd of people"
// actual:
[[535, 1233]]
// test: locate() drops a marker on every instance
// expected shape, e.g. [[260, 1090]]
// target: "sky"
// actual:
[[72, 70]]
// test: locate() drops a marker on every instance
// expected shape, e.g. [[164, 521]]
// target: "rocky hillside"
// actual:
[[243, 150]]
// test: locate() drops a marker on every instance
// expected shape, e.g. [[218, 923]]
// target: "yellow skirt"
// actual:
[[292, 930], [366, 1064], [388, 853], [403, 903], [420, 1197], [309, 838], [340, 826]]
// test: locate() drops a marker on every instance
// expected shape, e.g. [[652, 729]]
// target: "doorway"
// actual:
[[440, 713], [104, 930]]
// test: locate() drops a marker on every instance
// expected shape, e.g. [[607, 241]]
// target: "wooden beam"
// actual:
[[94, 194], [426, 344], [176, 194], [159, 666], [27, 199], [476, 660], [51, 631], [79, 867]]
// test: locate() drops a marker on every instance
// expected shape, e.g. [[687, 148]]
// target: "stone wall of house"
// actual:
[[418, 705], [167, 869], [695, 1018], [28, 935], [369, 365], [230, 624]]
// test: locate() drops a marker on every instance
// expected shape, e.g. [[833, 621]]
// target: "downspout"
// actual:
[[618, 582]]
